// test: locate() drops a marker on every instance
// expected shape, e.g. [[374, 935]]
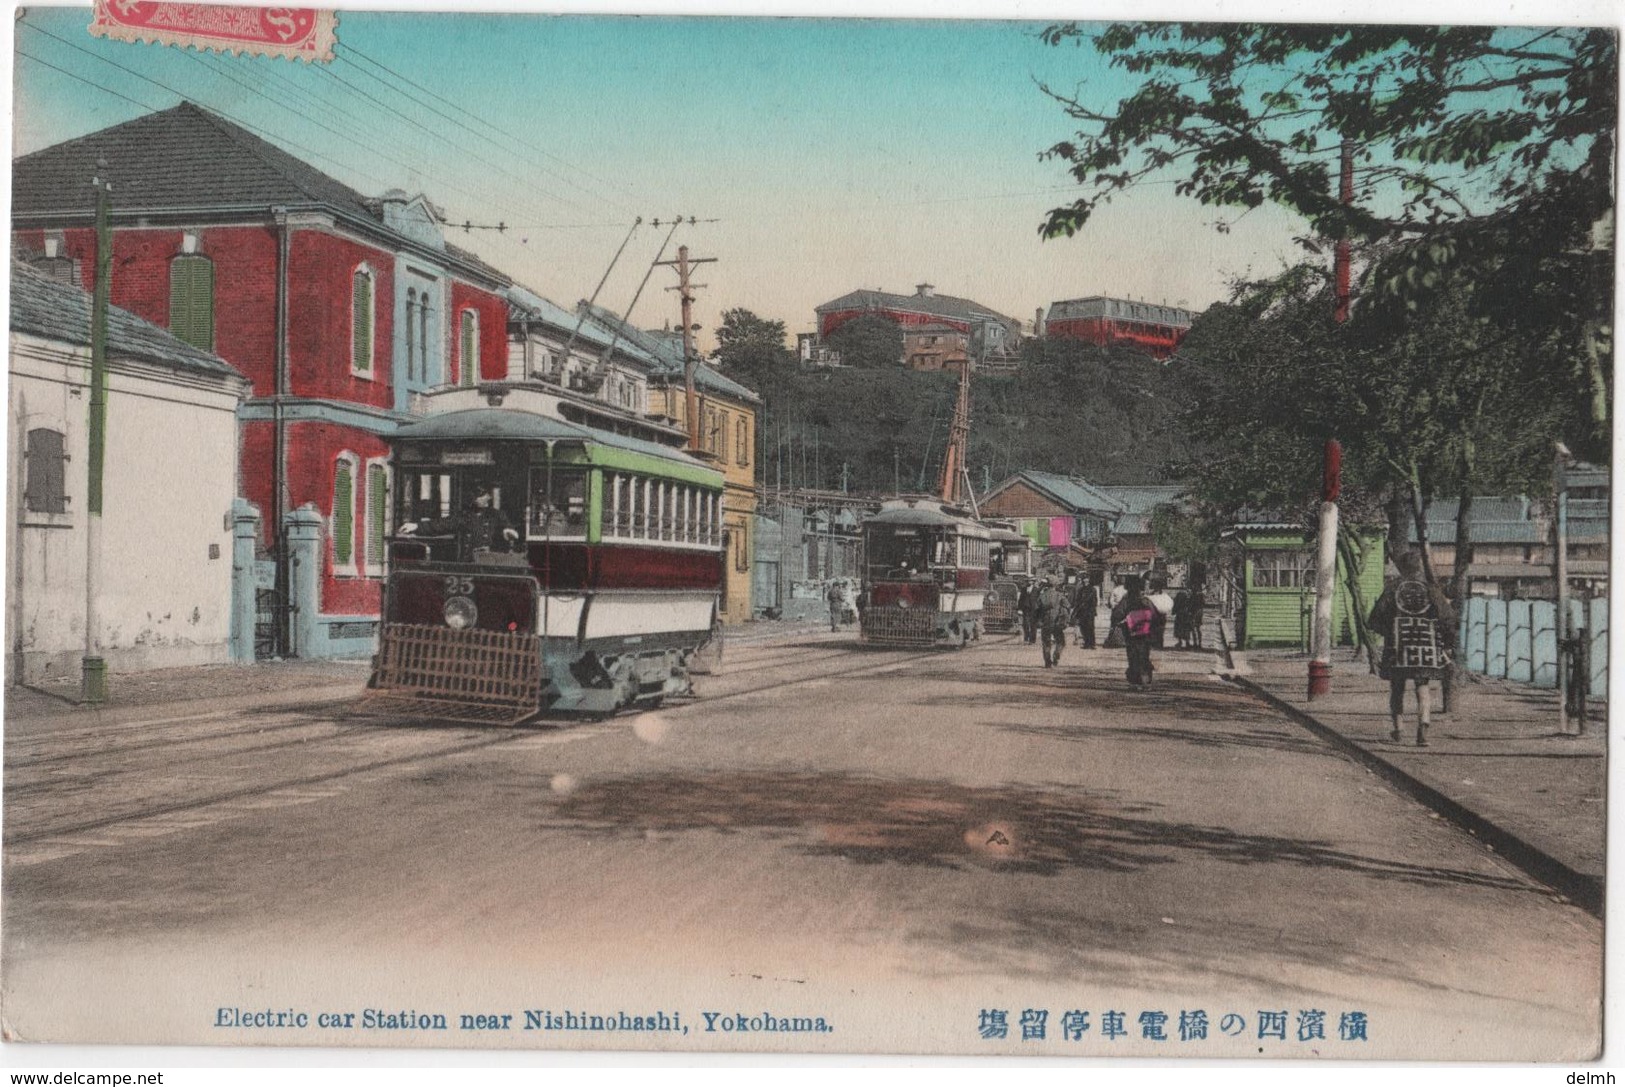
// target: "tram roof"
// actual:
[[925, 515], [506, 424]]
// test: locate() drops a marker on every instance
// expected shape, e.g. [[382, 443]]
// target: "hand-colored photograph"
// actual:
[[814, 536]]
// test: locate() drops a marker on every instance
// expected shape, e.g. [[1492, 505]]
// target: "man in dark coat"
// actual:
[[1083, 610], [1027, 608], [1418, 628]]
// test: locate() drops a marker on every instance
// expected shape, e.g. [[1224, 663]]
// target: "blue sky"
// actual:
[[831, 154]]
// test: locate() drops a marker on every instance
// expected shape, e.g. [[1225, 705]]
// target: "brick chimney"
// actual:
[[923, 290]]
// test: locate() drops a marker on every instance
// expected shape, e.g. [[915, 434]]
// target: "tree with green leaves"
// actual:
[[1478, 152], [750, 349], [868, 342]]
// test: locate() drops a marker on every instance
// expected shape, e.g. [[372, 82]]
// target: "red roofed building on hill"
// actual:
[[1154, 329], [991, 335]]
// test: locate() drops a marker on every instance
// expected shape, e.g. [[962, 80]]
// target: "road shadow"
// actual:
[[965, 834], [1256, 739], [1193, 697], [939, 824]]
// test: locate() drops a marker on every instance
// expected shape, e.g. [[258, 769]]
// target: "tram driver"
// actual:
[[481, 525]]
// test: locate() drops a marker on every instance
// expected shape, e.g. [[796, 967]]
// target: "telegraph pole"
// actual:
[[685, 292], [93, 672], [1320, 663]]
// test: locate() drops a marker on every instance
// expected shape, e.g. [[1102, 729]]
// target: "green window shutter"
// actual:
[[361, 322], [378, 504], [191, 300], [470, 358], [343, 515]]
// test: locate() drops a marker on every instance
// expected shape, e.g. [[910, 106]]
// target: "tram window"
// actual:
[[426, 497], [942, 551], [558, 502], [896, 552]]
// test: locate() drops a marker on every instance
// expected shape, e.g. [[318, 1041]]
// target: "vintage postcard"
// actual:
[[815, 536]]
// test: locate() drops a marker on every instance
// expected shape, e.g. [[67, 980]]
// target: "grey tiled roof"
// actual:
[[179, 158], [40, 306], [1100, 305], [188, 159], [1068, 491], [1144, 498], [527, 305], [665, 350], [940, 305]]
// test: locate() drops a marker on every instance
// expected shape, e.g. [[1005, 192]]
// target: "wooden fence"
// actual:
[[1517, 640]]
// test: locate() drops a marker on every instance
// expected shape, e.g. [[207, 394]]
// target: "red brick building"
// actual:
[[988, 333], [337, 307], [1154, 329]]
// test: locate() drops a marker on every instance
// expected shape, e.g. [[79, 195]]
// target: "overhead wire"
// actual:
[[442, 137], [347, 48], [311, 99], [501, 145], [328, 107], [182, 96]]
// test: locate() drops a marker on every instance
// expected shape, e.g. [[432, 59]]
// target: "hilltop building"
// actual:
[[988, 334], [1155, 329]]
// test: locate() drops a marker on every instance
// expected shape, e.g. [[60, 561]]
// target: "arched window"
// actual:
[[377, 516], [411, 330], [423, 333], [344, 473], [469, 354], [191, 300], [361, 321]]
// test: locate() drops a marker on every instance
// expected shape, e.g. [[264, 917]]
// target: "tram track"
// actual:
[[507, 736], [24, 761], [233, 795], [93, 775]]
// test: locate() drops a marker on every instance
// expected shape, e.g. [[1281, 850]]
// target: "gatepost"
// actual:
[[245, 533], [304, 529]]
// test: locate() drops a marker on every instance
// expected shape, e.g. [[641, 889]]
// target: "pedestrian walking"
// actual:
[[835, 597], [1053, 616], [1164, 604], [1182, 619], [1198, 607], [1418, 627], [1114, 632], [1083, 610], [1136, 617], [1027, 608]]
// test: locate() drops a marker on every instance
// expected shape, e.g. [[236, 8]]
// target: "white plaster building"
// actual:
[[170, 478]]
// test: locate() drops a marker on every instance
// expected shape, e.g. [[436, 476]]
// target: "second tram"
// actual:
[[925, 574], [1009, 567]]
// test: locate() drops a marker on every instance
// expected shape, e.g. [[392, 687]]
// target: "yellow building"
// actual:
[[728, 435]]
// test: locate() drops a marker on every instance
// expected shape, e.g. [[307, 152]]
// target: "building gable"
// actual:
[[1019, 499]]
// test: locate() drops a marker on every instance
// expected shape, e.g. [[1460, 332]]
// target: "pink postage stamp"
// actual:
[[296, 33]]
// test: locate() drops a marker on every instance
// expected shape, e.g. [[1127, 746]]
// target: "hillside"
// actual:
[[1074, 408]]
